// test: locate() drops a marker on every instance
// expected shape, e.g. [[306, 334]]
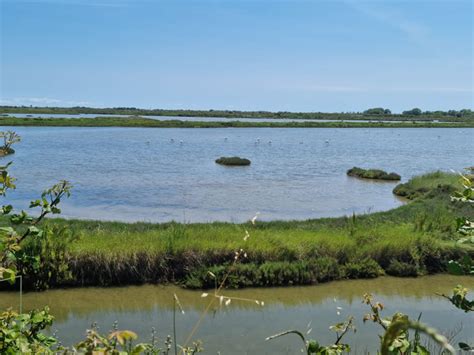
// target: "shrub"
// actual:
[[401, 268], [366, 268]]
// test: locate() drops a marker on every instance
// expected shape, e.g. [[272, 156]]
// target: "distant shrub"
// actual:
[[401, 268], [233, 161], [374, 174], [365, 269]]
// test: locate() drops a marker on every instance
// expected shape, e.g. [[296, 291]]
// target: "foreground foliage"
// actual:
[[26, 334], [9, 138]]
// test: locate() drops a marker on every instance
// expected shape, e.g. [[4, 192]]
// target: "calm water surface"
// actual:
[[152, 174], [242, 327], [163, 118]]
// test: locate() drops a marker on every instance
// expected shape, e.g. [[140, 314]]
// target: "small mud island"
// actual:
[[233, 161], [373, 174]]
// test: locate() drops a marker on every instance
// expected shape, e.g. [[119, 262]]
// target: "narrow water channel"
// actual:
[[241, 327]]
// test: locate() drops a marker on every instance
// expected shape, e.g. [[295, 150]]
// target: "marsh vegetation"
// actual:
[[137, 121], [233, 161], [375, 113], [373, 174]]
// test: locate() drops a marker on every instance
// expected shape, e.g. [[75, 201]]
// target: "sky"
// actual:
[[278, 55]]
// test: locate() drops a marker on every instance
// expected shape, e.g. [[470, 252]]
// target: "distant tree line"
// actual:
[[418, 112], [369, 114]]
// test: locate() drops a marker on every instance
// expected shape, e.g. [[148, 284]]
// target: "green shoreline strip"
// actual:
[[152, 123]]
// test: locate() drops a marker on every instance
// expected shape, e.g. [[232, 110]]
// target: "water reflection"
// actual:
[[241, 328]]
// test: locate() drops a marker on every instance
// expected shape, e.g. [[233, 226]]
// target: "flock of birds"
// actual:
[[257, 141]]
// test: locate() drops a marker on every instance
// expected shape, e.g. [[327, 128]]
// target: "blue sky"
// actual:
[[291, 55]]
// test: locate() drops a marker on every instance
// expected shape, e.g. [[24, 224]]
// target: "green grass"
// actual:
[[417, 238], [151, 123]]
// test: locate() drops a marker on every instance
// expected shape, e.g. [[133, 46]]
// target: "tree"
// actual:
[[377, 111], [413, 112]]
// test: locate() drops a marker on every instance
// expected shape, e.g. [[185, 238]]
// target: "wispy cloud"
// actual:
[[393, 17], [41, 101]]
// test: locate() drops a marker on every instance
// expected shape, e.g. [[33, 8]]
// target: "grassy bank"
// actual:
[[147, 122], [419, 186], [411, 240]]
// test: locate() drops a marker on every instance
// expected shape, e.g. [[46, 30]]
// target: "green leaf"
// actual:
[[35, 203], [7, 230], [455, 268], [8, 275], [35, 231], [7, 209]]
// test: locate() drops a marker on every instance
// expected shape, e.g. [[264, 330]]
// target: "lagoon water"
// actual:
[[166, 118], [242, 327], [154, 174]]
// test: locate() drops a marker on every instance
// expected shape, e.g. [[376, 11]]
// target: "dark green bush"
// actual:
[[366, 268], [282, 273], [401, 268]]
